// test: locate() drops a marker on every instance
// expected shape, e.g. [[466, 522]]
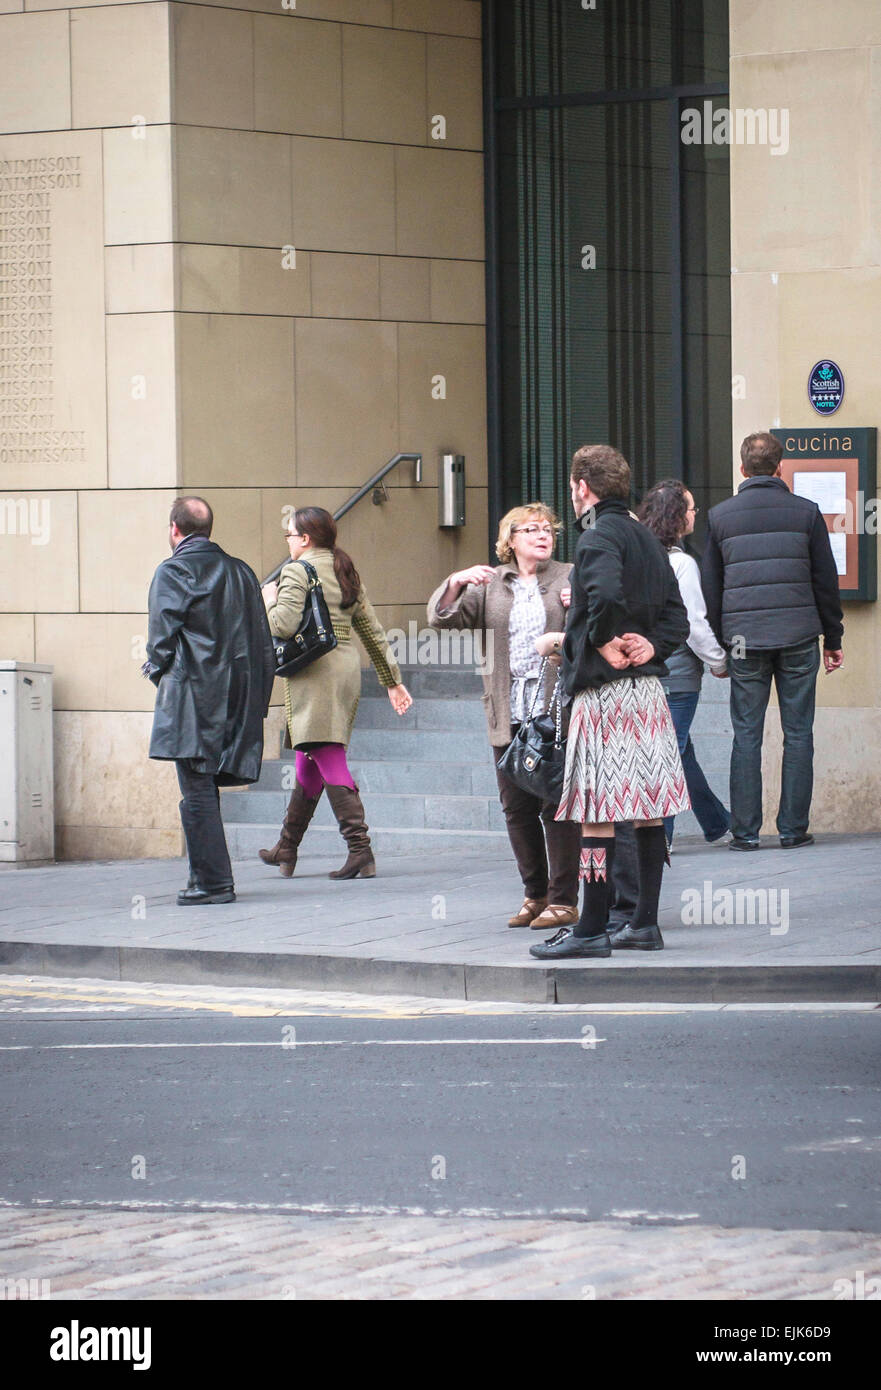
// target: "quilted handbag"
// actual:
[[535, 759]]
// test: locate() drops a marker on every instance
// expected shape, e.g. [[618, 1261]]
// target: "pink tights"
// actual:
[[322, 766]]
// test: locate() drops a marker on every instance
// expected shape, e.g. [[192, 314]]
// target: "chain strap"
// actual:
[[556, 700]]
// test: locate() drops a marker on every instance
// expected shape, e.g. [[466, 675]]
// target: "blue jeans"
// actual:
[[794, 671], [711, 814]]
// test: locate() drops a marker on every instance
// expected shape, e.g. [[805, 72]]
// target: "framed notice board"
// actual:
[[836, 469]]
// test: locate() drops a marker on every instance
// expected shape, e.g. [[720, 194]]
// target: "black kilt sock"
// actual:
[[599, 850], [651, 856]]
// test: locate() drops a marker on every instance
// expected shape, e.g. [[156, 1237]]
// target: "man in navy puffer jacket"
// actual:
[[771, 587]]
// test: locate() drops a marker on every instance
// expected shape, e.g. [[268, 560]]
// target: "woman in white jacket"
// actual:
[[668, 511]]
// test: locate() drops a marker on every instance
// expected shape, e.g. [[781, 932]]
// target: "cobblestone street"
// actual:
[[162, 1255]]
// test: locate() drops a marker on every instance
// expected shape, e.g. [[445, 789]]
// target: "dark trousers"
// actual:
[[203, 829], [548, 852], [711, 814], [794, 672], [624, 888]]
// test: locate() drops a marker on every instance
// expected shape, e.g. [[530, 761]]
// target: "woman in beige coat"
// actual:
[[521, 598], [321, 701]]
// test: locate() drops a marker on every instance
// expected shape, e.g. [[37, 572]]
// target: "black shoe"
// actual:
[[736, 843], [564, 944], [794, 841], [638, 939], [618, 924], [196, 897], [714, 839]]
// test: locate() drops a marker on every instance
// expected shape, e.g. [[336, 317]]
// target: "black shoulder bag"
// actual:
[[313, 637], [535, 759]]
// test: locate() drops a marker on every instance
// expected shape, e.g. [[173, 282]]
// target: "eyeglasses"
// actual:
[[534, 530], [693, 509]]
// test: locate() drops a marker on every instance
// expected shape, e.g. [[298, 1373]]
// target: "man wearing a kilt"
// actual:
[[622, 759]]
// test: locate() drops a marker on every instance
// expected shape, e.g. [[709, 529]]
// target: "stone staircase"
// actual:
[[427, 779]]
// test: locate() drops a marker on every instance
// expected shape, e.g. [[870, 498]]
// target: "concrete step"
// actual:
[[450, 682], [386, 777], [395, 811], [431, 714], [245, 840], [712, 722], [418, 745], [427, 780]]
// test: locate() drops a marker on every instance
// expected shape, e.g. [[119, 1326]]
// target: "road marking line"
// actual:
[[47, 1204], [297, 1008], [147, 1000], [314, 1042]]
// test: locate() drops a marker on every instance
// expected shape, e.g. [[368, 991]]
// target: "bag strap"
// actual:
[[311, 573], [555, 700], [539, 686]]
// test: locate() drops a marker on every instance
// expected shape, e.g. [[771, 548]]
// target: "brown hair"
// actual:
[[760, 455], [606, 472], [516, 517], [192, 516], [320, 527], [664, 511]]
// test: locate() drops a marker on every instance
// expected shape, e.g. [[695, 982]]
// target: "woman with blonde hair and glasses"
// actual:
[[517, 600]]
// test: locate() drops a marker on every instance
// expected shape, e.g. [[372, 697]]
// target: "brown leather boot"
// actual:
[[347, 807], [301, 809]]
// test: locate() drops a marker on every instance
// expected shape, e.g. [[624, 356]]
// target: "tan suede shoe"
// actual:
[[555, 915], [530, 909]]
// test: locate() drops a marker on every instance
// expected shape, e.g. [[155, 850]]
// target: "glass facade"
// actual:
[[609, 245]]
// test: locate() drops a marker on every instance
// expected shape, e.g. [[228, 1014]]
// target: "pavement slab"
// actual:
[[775, 926]]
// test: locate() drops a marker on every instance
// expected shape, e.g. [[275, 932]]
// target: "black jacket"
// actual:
[[768, 574], [209, 651], [622, 581]]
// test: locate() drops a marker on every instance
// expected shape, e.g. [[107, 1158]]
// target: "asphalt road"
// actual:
[[742, 1118]]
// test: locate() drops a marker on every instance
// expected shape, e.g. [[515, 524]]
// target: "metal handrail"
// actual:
[[373, 482]]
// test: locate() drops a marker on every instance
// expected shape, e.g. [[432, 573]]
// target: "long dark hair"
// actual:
[[664, 511], [320, 527]]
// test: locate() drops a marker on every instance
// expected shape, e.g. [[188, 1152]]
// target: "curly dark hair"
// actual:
[[664, 509]]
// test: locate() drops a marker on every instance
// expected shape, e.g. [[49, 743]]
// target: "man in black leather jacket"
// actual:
[[209, 652]]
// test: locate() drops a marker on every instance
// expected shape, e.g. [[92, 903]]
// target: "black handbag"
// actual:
[[313, 637], [535, 759]]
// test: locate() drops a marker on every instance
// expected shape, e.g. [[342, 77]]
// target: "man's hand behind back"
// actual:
[[639, 649], [615, 652]]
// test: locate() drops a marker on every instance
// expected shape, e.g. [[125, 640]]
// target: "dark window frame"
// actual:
[[493, 107]]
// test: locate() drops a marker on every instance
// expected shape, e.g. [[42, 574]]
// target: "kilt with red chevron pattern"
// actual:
[[622, 758]]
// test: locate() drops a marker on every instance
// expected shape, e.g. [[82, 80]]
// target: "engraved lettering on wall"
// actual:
[[28, 432]]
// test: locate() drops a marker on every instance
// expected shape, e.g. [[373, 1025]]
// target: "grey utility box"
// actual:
[[27, 820], [451, 491]]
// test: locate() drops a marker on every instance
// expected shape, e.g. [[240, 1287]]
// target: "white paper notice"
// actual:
[[828, 490], [838, 541]]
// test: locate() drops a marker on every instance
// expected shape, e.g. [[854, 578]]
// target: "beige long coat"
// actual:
[[321, 701], [488, 607]]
